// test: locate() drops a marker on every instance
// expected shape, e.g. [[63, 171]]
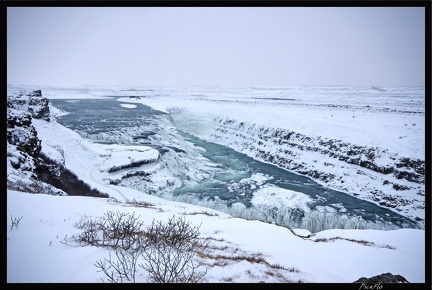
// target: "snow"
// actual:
[[40, 249], [356, 125], [36, 249], [389, 120], [129, 106], [120, 156], [273, 196]]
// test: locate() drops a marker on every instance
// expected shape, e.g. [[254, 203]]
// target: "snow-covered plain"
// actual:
[[38, 248]]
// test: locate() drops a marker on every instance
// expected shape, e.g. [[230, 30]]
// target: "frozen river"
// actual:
[[239, 185]]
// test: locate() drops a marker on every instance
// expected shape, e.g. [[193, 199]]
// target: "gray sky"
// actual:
[[216, 46]]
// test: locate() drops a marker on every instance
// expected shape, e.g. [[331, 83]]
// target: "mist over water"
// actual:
[[232, 188]]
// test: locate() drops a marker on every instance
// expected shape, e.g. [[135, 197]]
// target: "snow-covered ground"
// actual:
[[340, 256], [40, 249]]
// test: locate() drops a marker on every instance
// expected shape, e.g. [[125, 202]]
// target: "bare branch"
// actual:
[[15, 222]]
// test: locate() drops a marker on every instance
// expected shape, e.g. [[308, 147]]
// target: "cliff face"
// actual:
[[290, 144], [28, 169], [21, 134]]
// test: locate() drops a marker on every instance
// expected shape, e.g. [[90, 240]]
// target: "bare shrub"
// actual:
[[121, 229], [172, 247], [176, 233], [90, 235], [165, 250], [124, 268], [114, 229]]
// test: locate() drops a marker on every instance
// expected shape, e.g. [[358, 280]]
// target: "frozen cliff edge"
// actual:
[[369, 173], [39, 162]]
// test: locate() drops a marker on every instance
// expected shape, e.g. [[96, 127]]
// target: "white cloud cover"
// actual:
[[236, 46]]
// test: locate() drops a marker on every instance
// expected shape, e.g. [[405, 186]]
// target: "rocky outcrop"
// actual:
[[31, 102], [32, 171], [39, 106], [383, 278], [21, 108], [21, 134]]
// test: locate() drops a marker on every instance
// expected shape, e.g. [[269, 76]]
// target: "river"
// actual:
[[235, 186]]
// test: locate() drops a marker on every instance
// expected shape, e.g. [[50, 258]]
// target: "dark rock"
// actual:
[[20, 131], [30, 102], [383, 278], [36, 93], [18, 119], [24, 137], [39, 106], [21, 135]]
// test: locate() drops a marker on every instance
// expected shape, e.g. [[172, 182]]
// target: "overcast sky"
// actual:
[[216, 46]]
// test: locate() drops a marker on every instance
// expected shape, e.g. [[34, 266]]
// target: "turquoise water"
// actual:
[[240, 166]]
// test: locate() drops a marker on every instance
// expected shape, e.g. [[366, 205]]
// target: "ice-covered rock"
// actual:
[[24, 145], [383, 278]]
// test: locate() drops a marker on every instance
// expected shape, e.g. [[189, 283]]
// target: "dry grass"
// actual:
[[136, 203], [221, 253], [200, 212], [361, 242]]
